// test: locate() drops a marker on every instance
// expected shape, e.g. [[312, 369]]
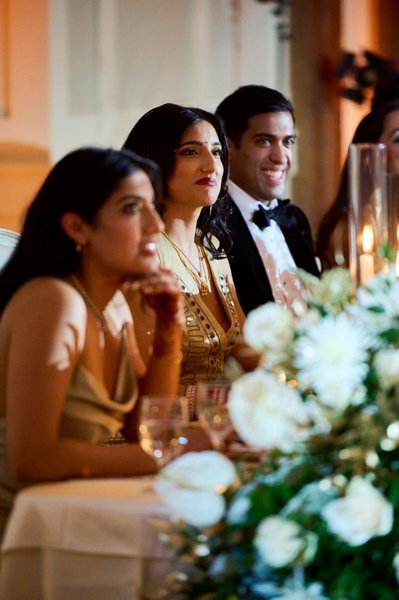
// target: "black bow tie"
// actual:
[[262, 216]]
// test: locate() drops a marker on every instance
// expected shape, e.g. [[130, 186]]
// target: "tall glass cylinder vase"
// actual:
[[367, 210], [392, 199]]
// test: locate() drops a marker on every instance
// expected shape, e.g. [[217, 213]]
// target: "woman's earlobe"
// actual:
[[74, 227]]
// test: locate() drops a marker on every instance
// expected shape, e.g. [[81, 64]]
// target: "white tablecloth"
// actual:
[[85, 540]]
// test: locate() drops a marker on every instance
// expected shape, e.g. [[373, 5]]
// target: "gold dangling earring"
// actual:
[[78, 247]]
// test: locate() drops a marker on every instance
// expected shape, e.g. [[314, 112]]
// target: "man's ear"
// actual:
[[231, 145], [74, 227]]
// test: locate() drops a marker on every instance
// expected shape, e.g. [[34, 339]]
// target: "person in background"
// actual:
[[190, 147], [380, 125], [70, 369], [271, 236]]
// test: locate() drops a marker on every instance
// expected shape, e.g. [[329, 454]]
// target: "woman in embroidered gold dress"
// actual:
[[190, 147], [70, 370]]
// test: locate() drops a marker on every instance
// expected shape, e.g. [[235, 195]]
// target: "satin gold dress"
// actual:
[[89, 415], [206, 344]]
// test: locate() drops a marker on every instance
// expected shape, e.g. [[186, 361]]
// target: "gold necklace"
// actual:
[[90, 304], [200, 277]]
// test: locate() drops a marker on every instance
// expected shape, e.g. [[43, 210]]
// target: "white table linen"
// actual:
[[89, 539]]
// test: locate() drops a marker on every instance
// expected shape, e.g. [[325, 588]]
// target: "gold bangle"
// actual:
[[190, 393], [171, 359]]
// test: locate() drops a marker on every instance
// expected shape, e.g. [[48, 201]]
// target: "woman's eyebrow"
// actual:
[[197, 143], [135, 197]]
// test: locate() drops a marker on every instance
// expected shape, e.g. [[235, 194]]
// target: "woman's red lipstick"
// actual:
[[206, 181]]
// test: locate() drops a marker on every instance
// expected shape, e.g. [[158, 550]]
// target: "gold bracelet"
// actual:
[[171, 359], [190, 393]]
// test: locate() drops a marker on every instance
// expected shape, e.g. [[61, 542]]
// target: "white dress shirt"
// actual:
[[270, 242]]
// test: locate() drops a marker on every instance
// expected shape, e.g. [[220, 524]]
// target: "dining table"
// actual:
[[86, 539]]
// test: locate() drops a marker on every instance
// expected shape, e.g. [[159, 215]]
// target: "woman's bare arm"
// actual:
[[45, 325]]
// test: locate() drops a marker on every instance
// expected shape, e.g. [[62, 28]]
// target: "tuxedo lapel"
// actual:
[[249, 274], [244, 240]]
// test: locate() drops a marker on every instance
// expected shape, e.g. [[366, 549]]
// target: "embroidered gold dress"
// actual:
[[205, 344]]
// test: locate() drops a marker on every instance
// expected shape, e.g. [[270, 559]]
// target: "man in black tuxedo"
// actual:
[[271, 236]]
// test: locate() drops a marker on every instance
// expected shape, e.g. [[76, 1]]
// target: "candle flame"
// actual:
[[368, 238]]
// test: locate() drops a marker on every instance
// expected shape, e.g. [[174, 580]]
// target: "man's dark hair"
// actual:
[[246, 102]]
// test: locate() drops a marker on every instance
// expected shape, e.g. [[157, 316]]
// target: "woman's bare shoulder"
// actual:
[[47, 298]]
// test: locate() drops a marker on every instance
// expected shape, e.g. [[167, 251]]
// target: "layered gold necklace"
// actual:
[[102, 323], [201, 277]]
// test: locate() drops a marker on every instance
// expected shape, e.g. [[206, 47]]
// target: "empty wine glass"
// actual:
[[162, 424], [212, 410]]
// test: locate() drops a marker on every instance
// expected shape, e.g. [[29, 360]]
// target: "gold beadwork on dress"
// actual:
[[205, 343]]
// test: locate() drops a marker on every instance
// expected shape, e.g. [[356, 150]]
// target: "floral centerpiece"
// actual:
[[316, 517]]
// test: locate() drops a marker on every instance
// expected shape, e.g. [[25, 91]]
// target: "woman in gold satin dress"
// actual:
[[70, 369]]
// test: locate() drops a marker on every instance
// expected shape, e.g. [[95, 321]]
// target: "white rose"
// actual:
[[386, 363], [279, 542], [192, 485], [362, 514], [270, 330], [266, 413]]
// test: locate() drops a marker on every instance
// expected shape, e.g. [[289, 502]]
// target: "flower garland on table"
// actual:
[[318, 517]]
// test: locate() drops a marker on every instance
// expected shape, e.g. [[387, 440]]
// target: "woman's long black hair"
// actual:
[[157, 135], [81, 182]]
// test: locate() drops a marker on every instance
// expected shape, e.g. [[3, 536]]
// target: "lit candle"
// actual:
[[366, 260]]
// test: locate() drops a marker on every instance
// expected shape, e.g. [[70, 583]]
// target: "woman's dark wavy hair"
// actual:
[[81, 182], [157, 135], [368, 131]]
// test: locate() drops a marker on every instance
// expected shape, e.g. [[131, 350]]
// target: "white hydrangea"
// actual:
[[331, 358], [360, 515], [269, 329], [267, 414], [386, 363], [377, 304], [192, 486], [331, 290]]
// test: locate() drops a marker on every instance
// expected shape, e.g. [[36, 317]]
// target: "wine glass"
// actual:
[[212, 410], [162, 424]]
